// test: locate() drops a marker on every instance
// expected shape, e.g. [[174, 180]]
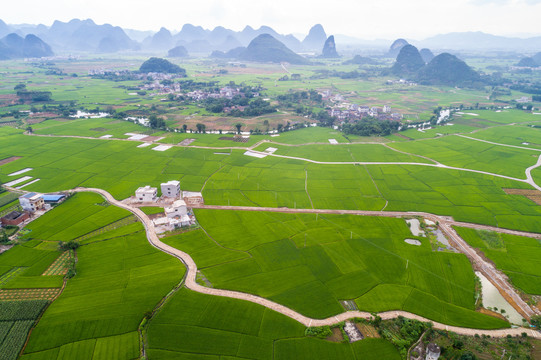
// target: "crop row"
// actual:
[[21, 310], [59, 267], [14, 340], [29, 294]]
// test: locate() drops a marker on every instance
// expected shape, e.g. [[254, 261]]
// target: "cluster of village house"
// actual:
[[151, 75], [177, 204], [31, 204], [155, 79], [226, 92], [344, 110]]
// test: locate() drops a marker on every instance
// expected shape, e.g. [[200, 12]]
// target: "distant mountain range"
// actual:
[[315, 39], [264, 48], [87, 36], [444, 69], [13, 46], [198, 40], [79, 35]]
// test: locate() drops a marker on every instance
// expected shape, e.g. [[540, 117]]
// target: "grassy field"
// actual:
[[344, 153], [310, 135], [500, 117], [466, 196], [519, 257], [236, 179], [23, 266], [81, 214], [118, 278], [16, 319], [310, 264], [211, 140], [524, 136], [98, 313], [475, 123], [295, 137], [119, 167], [90, 127], [307, 262], [189, 324], [471, 154]]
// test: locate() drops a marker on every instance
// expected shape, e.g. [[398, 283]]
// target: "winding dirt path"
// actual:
[[528, 180], [190, 283], [499, 144], [531, 181], [437, 165]]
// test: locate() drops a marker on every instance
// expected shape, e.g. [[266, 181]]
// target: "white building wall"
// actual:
[[171, 189], [146, 194]]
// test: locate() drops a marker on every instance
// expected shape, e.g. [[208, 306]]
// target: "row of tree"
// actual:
[[371, 127]]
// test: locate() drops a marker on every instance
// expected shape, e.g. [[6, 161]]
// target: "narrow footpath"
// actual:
[[191, 283]]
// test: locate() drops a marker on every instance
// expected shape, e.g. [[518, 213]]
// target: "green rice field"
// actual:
[[189, 325], [518, 257], [310, 264], [99, 311], [121, 295]]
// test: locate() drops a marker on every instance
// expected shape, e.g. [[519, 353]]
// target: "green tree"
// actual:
[[184, 127], [3, 237], [68, 245], [458, 344], [200, 128], [468, 356], [238, 126], [156, 122]]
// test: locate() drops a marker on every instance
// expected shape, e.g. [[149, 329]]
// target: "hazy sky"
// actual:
[[414, 19]]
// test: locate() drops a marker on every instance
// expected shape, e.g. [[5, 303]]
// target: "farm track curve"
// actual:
[[190, 280], [529, 179], [495, 276]]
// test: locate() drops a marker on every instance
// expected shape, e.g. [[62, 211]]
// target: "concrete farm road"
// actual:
[[190, 283]]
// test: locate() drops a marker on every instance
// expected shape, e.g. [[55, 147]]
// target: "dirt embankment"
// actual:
[[9, 159], [533, 195]]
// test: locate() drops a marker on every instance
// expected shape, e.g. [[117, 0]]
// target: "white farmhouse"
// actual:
[[433, 352], [171, 189], [32, 202], [183, 221], [178, 209], [147, 194]]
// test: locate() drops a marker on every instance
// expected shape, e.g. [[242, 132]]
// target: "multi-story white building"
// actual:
[[178, 209], [32, 202], [171, 189], [147, 194]]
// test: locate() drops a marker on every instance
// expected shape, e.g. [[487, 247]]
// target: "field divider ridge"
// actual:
[[191, 273]]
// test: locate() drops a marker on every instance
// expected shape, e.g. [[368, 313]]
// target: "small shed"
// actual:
[[193, 198], [14, 218], [53, 198]]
